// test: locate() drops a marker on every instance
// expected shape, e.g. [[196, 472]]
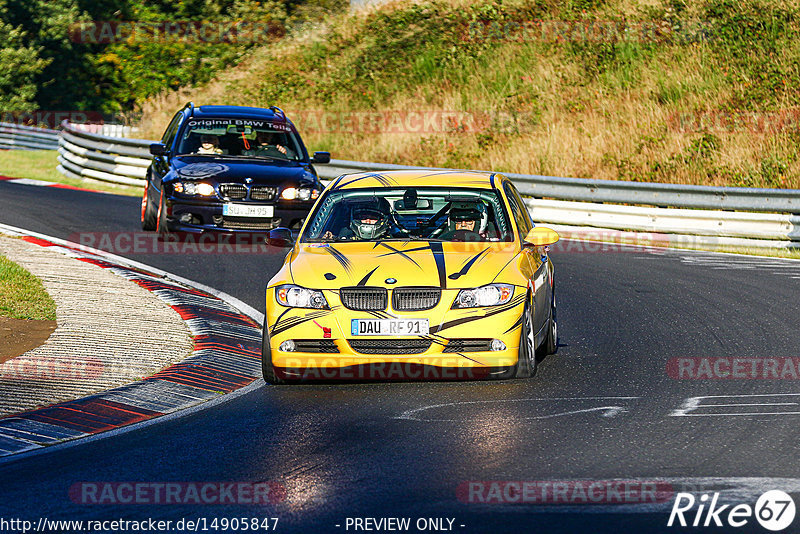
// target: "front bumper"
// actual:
[[194, 216]]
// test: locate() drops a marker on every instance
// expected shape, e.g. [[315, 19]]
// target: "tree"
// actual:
[[20, 65]]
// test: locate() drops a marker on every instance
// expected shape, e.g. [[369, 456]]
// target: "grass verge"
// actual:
[[41, 165], [22, 295]]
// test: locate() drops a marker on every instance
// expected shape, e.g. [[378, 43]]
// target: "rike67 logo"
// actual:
[[774, 510]]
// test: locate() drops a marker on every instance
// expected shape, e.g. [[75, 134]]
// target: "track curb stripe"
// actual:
[[44, 183], [225, 357]]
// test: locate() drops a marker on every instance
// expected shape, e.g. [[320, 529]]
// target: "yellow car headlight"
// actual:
[[489, 295], [293, 296]]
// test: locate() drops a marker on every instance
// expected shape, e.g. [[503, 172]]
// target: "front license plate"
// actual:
[[389, 327], [243, 210]]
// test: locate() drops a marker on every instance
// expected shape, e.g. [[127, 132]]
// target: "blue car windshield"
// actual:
[[241, 138], [379, 214]]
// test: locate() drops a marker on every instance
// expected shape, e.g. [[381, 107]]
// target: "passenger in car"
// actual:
[[209, 144]]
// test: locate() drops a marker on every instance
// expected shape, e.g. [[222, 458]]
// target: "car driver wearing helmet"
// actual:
[[368, 222], [464, 223]]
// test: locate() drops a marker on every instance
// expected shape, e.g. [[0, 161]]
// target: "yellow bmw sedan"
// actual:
[[412, 275]]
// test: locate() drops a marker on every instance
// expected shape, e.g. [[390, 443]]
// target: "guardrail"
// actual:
[[17, 137], [83, 154], [683, 210], [653, 194]]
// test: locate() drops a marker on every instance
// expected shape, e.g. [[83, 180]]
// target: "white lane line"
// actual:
[[611, 411], [752, 404], [692, 404]]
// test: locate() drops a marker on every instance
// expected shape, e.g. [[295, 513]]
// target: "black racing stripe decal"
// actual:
[[278, 320], [290, 323], [465, 269], [383, 180], [336, 183], [401, 252], [440, 173], [438, 256], [382, 315], [516, 301], [491, 180], [416, 249], [514, 326], [504, 266], [341, 258], [277, 328], [354, 180], [470, 359], [363, 281]]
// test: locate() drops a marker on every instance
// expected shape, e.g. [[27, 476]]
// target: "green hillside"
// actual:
[[699, 92]]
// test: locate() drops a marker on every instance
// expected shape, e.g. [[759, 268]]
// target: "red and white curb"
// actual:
[[226, 357], [44, 183]]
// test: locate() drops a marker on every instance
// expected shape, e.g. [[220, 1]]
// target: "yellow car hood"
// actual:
[[449, 265]]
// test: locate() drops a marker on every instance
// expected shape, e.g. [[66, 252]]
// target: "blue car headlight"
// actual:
[[293, 296], [489, 295], [194, 188], [303, 193]]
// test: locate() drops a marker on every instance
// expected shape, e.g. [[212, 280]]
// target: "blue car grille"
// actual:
[[263, 192], [233, 191]]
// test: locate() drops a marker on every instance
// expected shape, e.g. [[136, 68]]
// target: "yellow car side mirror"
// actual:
[[541, 236]]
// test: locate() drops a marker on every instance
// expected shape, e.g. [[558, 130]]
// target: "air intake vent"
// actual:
[[364, 298], [415, 298], [263, 192], [468, 345], [390, 346], [324, 346], [233, 191], [250, 223]]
